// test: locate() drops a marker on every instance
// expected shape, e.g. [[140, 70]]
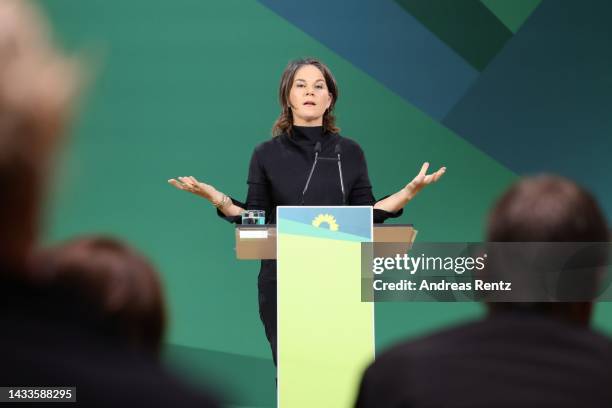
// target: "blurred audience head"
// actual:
[[549, 208], [37, 85], [116, 284]]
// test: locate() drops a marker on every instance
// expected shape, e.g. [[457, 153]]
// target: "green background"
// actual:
[[189, 88]]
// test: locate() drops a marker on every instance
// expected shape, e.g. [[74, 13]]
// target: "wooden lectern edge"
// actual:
[[265, 248]]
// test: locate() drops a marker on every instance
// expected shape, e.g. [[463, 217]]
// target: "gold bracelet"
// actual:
[[226, 201], [222, 203]]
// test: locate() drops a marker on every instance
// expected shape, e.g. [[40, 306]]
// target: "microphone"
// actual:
[[317, 150], [338, 150]]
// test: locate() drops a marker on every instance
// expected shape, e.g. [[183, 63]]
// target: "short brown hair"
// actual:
[[115, 281], [547, 208], [285, 120]]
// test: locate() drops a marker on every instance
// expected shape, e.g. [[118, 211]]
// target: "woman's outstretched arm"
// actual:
[[397, 201], [220, 200]]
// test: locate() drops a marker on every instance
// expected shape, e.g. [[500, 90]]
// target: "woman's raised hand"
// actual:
[[192, 185], [422, 179]]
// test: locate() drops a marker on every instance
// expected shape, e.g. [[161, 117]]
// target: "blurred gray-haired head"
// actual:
[[37, 86]]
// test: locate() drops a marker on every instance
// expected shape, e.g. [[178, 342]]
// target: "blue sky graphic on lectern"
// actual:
[[339, 223]]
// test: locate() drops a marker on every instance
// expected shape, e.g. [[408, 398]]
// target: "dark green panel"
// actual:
[[512, 13], [466, 26]]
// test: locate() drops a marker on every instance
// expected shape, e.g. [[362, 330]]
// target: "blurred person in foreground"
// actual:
[[118, 288], [528, 355], [49, 339]]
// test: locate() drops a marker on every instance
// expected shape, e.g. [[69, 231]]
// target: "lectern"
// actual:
[[325, 331], [259, 241]]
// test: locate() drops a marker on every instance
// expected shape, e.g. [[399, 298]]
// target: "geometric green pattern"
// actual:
[[512, 13]]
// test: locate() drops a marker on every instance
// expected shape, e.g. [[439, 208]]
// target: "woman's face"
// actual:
[[309, 96]]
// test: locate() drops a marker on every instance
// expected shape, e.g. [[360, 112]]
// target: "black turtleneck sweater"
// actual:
[[279, 169]]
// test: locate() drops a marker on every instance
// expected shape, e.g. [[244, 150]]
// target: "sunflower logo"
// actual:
[[325, 218]]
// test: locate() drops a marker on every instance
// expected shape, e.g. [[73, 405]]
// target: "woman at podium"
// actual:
[[307, 162]]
